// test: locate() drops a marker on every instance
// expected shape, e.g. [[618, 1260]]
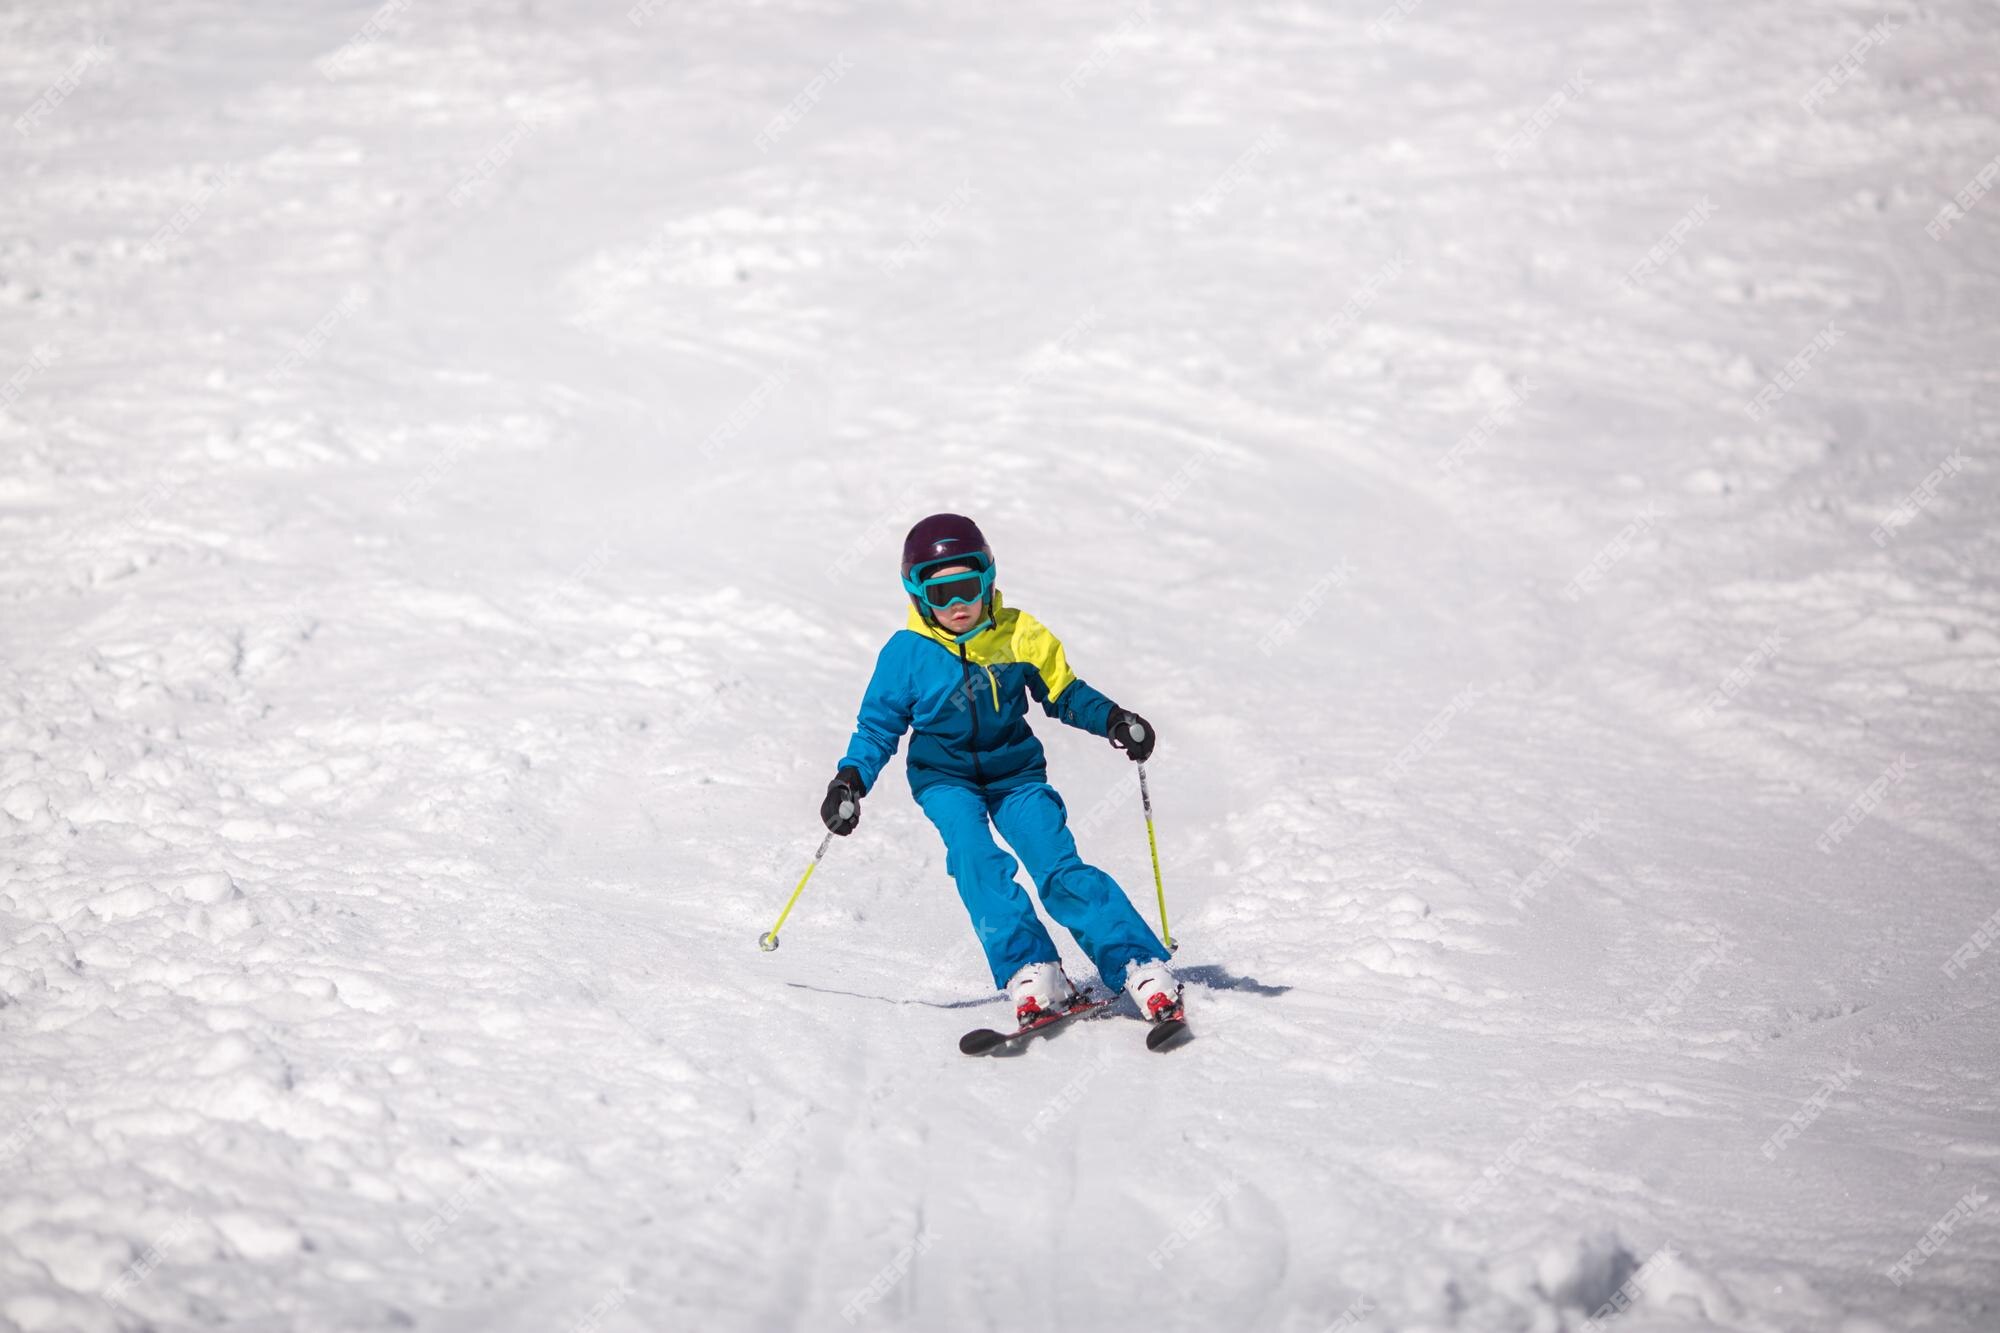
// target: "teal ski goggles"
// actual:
[[948, 590]]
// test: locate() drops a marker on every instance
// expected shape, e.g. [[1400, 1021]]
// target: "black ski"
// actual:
[[985, 1041], [1167, 1034]]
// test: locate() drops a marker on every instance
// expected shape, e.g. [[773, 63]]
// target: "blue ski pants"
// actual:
[[1083, 899]]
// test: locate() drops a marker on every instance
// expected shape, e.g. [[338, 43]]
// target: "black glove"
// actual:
[[841, 810], [1132, 734]]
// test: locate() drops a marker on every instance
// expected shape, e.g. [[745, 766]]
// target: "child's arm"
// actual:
[[878, 730], [1067, 698], [884, 717]]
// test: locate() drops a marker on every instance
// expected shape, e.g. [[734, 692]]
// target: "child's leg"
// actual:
[[1087, 902], [1012, 935]]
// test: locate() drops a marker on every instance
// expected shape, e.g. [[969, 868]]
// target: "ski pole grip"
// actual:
[[1138, 733], [847, 809]]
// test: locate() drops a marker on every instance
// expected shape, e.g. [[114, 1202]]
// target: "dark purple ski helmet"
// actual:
[[944, 539], [940, 539]]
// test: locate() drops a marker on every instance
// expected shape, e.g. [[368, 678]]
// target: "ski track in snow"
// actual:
[[454, 459]]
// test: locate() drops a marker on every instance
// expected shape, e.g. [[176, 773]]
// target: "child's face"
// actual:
[[958, 619]]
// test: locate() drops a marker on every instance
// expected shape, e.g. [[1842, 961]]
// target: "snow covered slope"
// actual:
[[1534, 462]]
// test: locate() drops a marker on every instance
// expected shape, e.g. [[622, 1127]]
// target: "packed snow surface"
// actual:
[[1534, 462]]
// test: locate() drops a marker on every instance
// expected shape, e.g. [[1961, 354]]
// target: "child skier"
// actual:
[[959, 675]]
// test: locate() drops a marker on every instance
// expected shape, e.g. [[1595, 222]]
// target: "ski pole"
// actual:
[[1153, 845], [769, 939]]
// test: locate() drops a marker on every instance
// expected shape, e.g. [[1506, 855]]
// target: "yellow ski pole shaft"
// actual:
[[1153, 846], [769, 939]]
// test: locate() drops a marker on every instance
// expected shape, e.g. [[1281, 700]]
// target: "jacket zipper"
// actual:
[[971, 698]]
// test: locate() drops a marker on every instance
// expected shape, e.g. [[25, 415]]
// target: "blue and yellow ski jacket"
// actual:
[[968, 703]]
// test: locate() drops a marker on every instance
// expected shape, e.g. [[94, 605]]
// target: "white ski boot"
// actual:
[[1038, 990], [1153, 988]]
